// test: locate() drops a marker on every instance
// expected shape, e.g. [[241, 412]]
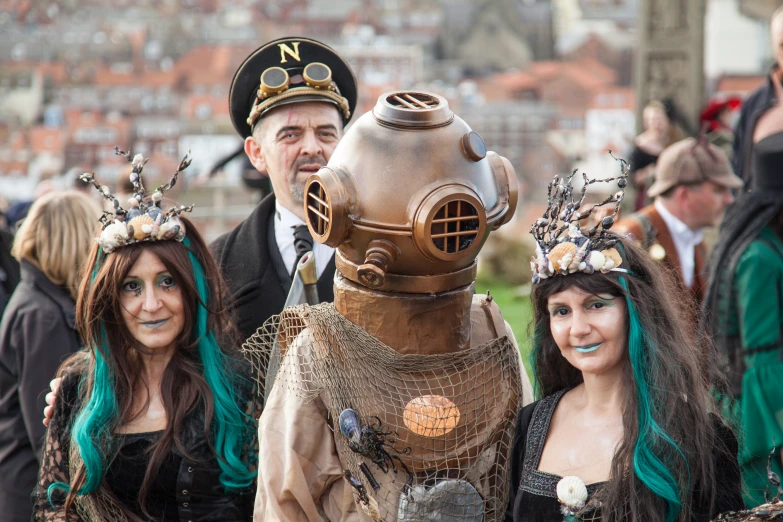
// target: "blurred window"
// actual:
[[203, 111], [169, 148]]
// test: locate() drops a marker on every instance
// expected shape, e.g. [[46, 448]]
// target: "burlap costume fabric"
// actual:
[[436, 429]]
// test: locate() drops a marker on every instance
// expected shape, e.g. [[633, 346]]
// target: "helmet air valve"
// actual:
[[381, 254]]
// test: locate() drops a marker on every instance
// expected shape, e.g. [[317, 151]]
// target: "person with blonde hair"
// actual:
[[37, 332]]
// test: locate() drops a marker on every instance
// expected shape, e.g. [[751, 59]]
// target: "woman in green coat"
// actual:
[[743, 311]]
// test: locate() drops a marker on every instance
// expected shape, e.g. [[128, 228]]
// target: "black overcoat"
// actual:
[[252, 265], [37, 333], [9, 269], [754, 106]]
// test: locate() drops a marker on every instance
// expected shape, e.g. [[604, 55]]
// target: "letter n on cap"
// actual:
[[293, 53]]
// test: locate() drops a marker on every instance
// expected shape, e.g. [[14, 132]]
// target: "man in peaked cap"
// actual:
[[692, 188], [289, 100]]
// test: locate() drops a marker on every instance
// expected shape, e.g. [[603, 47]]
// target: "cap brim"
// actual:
[[300, 99], [728, 180], [659, 187]]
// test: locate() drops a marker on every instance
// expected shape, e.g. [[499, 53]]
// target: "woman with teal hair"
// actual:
[[624, 429], [154, 420]]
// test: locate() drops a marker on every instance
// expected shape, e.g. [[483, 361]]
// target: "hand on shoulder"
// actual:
[[71, 369], [54, 384]]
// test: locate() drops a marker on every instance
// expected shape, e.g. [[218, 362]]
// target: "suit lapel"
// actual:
[[699, 277], [275, 258], [672, 258], [326, 282], [664, 238]]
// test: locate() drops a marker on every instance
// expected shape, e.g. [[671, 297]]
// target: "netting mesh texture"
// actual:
[[420, 437]]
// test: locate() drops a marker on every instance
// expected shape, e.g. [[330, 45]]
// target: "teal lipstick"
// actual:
[[587, 349]]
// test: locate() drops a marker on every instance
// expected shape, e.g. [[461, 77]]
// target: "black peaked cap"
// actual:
[[284, 53]]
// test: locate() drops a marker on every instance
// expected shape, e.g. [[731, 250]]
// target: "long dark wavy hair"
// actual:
[[198, 377], [665, 458]]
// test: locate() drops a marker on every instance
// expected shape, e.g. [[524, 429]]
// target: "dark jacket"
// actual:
[[36, 334], [255, 272], [9, 269], [752, 108]]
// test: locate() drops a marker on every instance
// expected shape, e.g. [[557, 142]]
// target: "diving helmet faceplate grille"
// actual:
[[319, 209], [454, 227]]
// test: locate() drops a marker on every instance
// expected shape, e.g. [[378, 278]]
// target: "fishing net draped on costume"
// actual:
[[421, 437]]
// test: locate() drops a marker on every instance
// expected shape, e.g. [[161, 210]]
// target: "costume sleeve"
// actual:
[[527, 387], [300, 476], [738, 152], [44, 344], [757, 282], [253, 398], [518, 457], [54, 459], [728, 479]]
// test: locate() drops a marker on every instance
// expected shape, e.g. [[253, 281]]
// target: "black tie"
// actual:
[[303, 243]]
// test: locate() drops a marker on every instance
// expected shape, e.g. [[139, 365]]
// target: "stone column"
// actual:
[[670, 60], [762, 9]]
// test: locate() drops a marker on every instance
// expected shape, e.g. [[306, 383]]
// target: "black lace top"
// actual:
[[126, 475], [534, 492], [185, 489]]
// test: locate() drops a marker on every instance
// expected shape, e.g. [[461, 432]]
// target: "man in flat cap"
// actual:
[[289, 100], [692, 188]]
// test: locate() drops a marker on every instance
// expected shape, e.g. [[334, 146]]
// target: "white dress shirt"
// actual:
[[285, 221], [685, 241]]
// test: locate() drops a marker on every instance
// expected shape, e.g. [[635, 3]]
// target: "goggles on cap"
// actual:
[[315, 79], [276, 80]]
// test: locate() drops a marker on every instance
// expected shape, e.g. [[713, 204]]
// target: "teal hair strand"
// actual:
[[91, 431], [648, 466], [230, 426]]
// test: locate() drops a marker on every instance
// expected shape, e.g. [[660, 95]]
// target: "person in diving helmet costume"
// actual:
[[397, 402]]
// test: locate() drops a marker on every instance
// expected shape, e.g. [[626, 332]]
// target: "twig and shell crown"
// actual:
[[143, 220], [562, 247]]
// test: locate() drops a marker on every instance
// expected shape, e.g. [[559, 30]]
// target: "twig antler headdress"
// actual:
[[562, 248], [144, 220]]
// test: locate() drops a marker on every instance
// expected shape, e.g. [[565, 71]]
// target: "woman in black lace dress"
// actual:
[[154, 421], [625, 429]]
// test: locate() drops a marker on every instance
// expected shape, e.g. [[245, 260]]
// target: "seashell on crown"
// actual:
[[562, 247], [144, 220]]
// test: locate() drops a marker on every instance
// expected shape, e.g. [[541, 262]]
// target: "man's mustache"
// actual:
[[301, 161]]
